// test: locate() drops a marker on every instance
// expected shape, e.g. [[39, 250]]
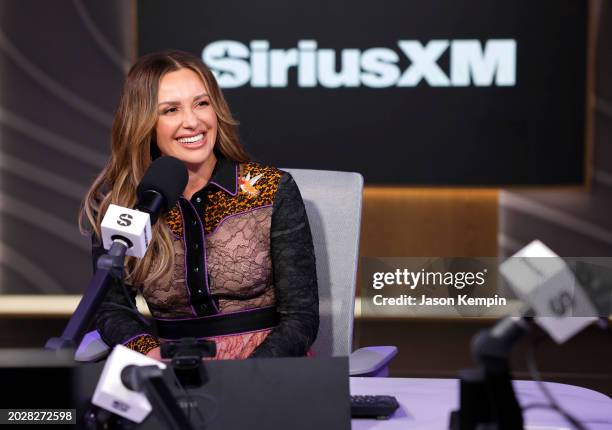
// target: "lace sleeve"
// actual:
[[294, 276]]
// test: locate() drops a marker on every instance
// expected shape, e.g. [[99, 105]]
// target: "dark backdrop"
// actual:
[[530, 131]]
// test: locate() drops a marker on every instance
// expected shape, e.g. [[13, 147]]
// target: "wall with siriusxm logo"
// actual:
[[405, 92]]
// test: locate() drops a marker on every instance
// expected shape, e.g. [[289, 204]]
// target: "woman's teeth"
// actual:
[[192, 139]]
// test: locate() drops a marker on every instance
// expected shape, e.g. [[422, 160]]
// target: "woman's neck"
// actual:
[[199, 176]]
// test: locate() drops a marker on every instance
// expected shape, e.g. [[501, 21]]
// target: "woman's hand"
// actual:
[[155, 353]]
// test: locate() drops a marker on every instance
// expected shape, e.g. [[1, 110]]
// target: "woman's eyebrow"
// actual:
[[172, 102]]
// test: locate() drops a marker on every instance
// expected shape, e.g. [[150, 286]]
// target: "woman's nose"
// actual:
[[190, 120]]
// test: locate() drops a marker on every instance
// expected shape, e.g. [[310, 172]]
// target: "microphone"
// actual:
[[158, 191], [112, 393], [132, 385], [161, 186], [544, 281]]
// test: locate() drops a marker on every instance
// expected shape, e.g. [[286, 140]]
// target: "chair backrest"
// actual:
[[333, 204]]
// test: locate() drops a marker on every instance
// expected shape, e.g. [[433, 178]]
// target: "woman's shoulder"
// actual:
[[254, 168], [267, 181], [255, 178]]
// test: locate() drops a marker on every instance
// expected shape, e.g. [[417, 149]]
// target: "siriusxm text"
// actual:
[[257, 64]]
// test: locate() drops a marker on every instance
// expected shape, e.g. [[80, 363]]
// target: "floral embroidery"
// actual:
[[247, 184]]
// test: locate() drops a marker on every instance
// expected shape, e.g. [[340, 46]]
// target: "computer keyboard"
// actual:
[[370, 406]]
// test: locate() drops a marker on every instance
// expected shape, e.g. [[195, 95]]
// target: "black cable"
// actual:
[[537, 377]]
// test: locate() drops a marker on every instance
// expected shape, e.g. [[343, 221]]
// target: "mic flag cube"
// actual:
[[110, 392], [546, 283], [130, 224]]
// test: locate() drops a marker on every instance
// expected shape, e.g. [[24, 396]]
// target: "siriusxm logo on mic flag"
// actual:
[[492, 63], [133, 225], [125, 220]]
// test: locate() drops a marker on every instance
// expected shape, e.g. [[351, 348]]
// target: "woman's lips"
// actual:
[[192, 142]]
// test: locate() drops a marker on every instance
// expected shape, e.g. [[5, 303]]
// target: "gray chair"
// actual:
[[333, 203]]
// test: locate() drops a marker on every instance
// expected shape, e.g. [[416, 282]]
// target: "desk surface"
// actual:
[[427, 403]]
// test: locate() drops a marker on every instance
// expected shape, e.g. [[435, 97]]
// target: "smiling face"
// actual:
[[187, 124]]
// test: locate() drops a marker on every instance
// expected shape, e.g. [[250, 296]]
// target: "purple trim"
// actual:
[[236, 214], [185, 259], [176, 236], [205, 258], [235, 185], [134, 337], [212, 316]]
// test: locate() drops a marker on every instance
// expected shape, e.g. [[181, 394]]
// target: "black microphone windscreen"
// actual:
[[167, 176]]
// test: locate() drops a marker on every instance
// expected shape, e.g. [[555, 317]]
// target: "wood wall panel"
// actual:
[[429, 222]]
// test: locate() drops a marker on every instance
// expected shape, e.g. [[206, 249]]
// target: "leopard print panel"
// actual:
[[173, 221], [143, 343], [222, 205]]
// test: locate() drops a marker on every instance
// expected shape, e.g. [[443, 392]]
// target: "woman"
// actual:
[[233, 261]]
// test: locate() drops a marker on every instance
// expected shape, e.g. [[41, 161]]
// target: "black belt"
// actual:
[[219, 325]]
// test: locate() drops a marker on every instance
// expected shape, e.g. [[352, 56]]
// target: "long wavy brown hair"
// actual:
[[132, 146]]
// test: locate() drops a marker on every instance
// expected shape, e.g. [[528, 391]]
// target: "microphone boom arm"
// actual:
[[491, 349], [109, 266]]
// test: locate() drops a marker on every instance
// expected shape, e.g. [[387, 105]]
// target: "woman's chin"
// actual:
[[196, 158]]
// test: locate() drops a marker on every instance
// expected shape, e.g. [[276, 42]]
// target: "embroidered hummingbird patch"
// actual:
[[247, 184]]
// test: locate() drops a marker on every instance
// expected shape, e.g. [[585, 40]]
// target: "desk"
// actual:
[[426, 404]]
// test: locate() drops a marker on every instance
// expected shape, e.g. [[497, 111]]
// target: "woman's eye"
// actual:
[[203, 103], [169, 110]]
